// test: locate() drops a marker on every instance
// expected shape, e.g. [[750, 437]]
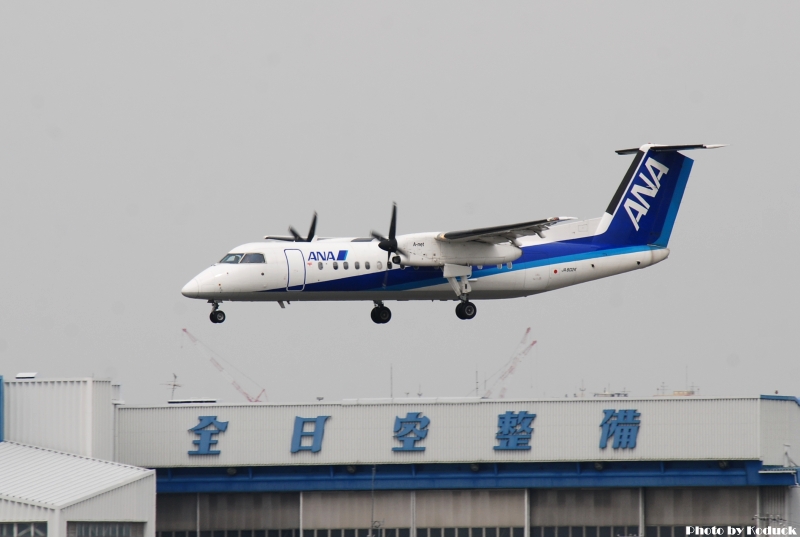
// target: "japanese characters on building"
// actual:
[[207, 429], [314, 434], [514, 432], [623, 425], [410, 430]]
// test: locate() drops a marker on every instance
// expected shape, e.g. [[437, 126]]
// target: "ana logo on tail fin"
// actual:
[[643, 209], [650, 189]]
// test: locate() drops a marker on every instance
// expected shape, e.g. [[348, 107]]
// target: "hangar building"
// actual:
[[424, 467], [52, 479]]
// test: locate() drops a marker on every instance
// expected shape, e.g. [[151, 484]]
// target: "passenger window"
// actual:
[[357, 265], [345, 265], [253, 258], [231, 258], [335, 265], [379, 265], [320, 265], [366, 265]]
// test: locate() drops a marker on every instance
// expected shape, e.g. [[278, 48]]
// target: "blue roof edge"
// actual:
[[782, 398]]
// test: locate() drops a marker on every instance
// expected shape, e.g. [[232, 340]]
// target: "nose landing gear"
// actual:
[[380, 314], [217, 315], [466, 310]]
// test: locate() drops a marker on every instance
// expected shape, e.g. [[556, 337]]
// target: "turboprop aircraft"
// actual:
[[495, 262]]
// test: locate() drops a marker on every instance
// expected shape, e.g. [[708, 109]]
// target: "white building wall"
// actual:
[[70, 415], [564, 430], [11, 511], [793, 508], [102, 420], [134, 502], [780, 431]]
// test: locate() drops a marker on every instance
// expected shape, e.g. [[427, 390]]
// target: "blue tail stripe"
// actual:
[[680, 187]]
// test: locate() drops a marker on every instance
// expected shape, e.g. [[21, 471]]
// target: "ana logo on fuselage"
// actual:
[[327, 256], [640, 207]]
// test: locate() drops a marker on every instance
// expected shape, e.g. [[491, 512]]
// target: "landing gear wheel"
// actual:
[[381, 315], [466, 310], [217, 316]]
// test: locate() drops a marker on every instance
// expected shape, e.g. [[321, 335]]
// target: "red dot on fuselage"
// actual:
[[555, 271]]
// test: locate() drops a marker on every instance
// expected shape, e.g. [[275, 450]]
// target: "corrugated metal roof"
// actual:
[[53, 479]]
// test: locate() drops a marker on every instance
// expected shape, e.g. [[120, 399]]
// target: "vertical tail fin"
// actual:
[[644, 208]]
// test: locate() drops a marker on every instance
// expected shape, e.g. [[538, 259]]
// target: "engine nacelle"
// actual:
[[424, 250]]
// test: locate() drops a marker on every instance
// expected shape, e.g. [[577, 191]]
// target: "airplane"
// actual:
[[497, 262]]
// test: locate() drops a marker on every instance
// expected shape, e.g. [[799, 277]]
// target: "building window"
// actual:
[[23, 529], [105, 529]]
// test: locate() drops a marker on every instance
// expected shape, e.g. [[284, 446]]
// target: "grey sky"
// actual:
[[141, 141]]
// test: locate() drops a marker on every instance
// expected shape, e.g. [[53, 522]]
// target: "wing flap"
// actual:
[[500, 234]]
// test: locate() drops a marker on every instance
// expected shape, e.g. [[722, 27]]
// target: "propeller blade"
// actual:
[[297, 237], [393, 225], [376, 235], [386, 272], [313, 228]]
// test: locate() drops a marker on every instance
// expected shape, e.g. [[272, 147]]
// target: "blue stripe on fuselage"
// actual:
[[532, 256]]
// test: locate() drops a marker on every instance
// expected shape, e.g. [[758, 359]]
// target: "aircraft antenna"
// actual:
[[523, 348], [210, 354]]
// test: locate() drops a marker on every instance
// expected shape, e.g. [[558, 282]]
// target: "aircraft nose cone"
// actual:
[[191, 289]]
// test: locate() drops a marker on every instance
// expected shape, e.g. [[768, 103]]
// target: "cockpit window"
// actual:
[[231, 258], [253, 258]]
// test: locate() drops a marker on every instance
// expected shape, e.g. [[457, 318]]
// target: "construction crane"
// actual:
[[509, 367], [212, 357]]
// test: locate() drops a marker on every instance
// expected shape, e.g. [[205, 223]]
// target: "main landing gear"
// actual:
[[466, 310], [217, 315], [380, 314]]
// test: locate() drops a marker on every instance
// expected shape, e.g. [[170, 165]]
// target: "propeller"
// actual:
[[296, 237], [389, 245]]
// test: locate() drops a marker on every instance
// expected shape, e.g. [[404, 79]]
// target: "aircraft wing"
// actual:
[[280, 238], [500, 234]]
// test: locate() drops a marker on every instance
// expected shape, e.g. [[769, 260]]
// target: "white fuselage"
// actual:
[[356, 269]]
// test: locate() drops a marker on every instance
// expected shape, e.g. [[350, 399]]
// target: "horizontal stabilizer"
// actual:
[[656, 148]]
